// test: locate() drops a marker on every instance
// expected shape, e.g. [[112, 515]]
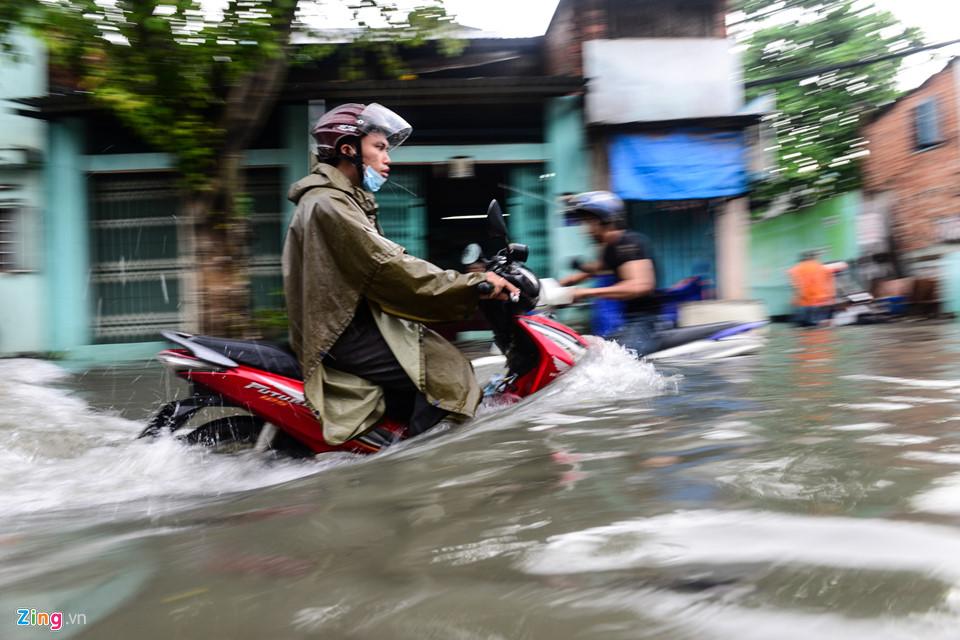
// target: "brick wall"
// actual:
[[562, 45], [667, 18], [924, 184], [579, 20]]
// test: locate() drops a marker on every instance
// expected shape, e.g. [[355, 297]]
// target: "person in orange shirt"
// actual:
[[814, 290]]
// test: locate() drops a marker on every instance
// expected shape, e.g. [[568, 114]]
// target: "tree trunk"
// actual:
[[223, 237], [223, 231]]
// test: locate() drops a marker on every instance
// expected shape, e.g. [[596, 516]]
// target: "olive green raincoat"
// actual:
[[335, 256]]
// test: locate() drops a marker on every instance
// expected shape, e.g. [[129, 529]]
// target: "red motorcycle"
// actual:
[[259, 383]]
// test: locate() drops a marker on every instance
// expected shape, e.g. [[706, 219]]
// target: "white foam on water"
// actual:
[[733, 424], [543, 427], [313, 618], [943, 498], [862, 426], [559, 418], [724, 434], [933, 456], [716, 538], [906, 382], [605, 372], [608, 371], [31, 371], [917, 399], [668, 614], [874, 406], [896, 439], [628, 411], [58, 453], [729, 430], [811, 440]]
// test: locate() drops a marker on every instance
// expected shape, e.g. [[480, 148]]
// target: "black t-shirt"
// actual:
[[631, 246]]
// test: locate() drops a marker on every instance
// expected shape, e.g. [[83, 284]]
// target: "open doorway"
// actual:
[[456, 211]]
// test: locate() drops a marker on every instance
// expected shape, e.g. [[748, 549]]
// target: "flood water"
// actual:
[[810, 491]]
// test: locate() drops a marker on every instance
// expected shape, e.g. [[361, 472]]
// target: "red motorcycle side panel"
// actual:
[[558, 347], [276, 399], [280, 400]]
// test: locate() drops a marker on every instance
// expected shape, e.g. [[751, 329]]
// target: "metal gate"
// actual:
[[527, 205], [266, 190], [142, 259], [403, 210], [136, 268], [682, 237]]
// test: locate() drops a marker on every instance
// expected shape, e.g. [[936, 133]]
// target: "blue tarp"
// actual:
[[683, 165]]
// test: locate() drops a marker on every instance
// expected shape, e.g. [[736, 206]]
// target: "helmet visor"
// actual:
[[573, 213], [376, 118]]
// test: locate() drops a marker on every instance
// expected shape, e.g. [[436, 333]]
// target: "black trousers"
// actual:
[[361, 351]]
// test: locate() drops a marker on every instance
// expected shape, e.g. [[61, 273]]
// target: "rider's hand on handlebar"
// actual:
[[502, 289]]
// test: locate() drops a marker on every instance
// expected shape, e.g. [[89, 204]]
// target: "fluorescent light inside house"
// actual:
[[475, 217]]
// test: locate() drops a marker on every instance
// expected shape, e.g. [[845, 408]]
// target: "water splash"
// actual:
[[59, 454]]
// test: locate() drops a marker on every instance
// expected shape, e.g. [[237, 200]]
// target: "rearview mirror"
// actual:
[[471, 253], [518, 252]]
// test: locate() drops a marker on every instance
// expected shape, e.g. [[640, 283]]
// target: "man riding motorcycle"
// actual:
[[625, 254], [356, 300]]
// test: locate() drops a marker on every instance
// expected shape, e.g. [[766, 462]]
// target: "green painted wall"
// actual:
[[67, 237], [67, 234], [296, 134], [776, 244], [427, 154], [528, 208], [569, 170], [22, 317], [950, 281]]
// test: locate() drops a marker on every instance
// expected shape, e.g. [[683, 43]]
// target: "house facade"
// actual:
[[912, 179], [520, 120], [24, 314], [666, 127], [117, 260]]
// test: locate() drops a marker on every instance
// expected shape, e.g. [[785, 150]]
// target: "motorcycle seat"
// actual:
[[265, 356]]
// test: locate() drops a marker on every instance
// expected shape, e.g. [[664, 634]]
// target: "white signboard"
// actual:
[[657, 79]]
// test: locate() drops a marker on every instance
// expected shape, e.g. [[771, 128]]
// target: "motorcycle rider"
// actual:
[[356, 300], [627, 255]]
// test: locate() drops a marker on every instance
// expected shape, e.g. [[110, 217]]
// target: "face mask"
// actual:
[[372, 181]]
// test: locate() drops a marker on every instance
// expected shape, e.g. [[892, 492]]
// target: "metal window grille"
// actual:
[[527, 204], [9, 238], [265, 189], [403, 211], [140, 258], [136, 266]]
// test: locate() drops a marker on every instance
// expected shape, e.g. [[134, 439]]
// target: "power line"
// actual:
[[840, 66]]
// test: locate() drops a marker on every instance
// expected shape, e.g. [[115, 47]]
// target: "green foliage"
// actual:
[[272, 324], [167, 68], [819, 119]]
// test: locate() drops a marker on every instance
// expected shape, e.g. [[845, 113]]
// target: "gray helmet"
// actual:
[[605, 206]]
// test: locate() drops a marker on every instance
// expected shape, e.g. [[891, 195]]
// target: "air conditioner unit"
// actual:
[[459, 167]]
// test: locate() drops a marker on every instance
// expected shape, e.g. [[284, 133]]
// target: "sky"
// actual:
[[939, 20]]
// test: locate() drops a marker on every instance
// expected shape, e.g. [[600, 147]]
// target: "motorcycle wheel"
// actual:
[[226, 435]]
